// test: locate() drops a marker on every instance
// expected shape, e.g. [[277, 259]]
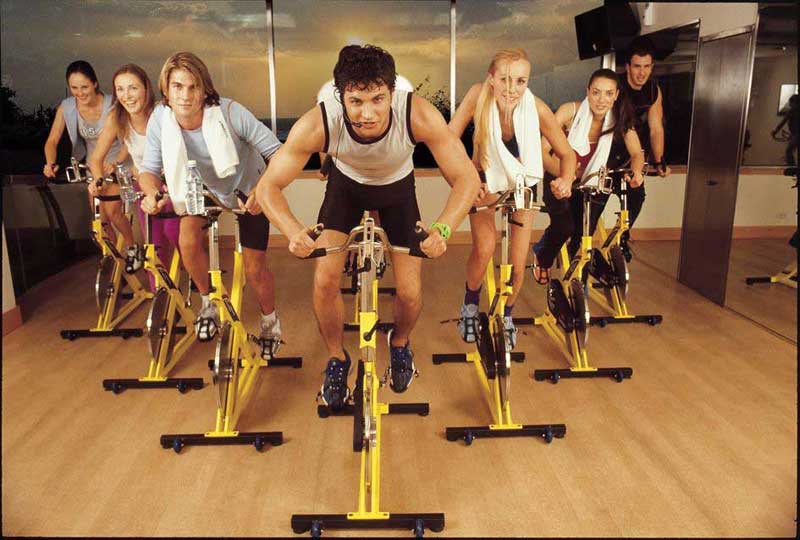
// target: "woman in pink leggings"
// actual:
[[133, 102]]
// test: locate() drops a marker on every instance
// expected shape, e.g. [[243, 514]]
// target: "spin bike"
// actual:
[[787, 276], [167, 310], [608, 268], [566, 318], [370, 244], [111, 270], [351, 271], [492, 357], [236, 363]]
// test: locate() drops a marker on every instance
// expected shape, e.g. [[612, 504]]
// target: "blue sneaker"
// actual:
[[468, 323], [401, 369], [334, 392]]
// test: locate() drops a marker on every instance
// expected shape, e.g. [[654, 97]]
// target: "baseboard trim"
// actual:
[[461, 238], [12, 319]]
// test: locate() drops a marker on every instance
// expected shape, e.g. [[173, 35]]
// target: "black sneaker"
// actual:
[[401, 368], [334, 392]]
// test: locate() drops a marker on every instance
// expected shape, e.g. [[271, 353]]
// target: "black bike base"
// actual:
[[554, 375], [461, 357], [286, 361], [764, 279], [182, 384], [316, 523], [545, 431], [124, 333], [381, 290], [258, 439], [422, 409], [384, 327], [652, 320]]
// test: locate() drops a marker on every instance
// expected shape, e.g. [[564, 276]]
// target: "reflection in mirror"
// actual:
[[762, 273], [657, 230]]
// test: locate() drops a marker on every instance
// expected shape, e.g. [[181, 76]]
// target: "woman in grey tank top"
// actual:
[[83, 116]]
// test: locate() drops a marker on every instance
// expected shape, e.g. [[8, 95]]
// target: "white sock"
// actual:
[[206, 300], [270, 319]]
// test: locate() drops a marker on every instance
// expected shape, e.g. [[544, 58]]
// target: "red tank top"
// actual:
[[583, 161]]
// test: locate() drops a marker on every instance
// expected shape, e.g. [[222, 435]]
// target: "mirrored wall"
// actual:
[[762, 272], [657, 231]]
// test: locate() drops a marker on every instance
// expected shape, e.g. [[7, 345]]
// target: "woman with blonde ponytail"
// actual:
[[505, 89]]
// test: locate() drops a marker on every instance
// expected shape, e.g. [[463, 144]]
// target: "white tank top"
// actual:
[[135, 144], [376, 163]]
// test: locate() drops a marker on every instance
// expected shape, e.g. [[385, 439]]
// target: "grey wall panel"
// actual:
[[721, 94]]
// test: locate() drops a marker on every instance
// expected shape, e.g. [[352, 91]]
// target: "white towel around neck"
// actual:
[[579, 137], [217, 136], [502, 167]]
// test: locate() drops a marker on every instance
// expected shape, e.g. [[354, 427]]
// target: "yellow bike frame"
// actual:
[[245, 360], [108, 318]]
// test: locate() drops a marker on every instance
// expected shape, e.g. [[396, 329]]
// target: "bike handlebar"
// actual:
[[351, 244]]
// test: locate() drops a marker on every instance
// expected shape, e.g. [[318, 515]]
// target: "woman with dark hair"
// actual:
[[84, 115], [592, 127], [134, 100]]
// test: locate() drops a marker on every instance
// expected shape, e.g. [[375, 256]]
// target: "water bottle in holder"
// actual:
[[195, 204], [126, 190]]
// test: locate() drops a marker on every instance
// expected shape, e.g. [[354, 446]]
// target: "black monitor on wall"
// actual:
[[605, 29]]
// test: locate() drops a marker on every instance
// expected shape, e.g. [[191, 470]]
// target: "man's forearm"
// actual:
[[276, 207], [657, 143], [149, 183], [462, 195]]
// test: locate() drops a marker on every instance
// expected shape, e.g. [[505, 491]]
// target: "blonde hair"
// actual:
[[191, 63], [481, 118]]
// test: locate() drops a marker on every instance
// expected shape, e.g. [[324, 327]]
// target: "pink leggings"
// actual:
[[163, 234]]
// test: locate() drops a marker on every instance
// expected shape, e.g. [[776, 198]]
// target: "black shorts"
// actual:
[[253, 231], [396, 203]]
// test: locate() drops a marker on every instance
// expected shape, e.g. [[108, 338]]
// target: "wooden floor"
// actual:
[[702, 441], [773, 305]]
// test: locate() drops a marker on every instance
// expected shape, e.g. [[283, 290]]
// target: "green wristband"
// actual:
[[443, 229]]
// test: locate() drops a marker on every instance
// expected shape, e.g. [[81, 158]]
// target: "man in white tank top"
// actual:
[[370, 132]]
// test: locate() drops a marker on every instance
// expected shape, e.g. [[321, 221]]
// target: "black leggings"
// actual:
[[560, 229], [635, 202], [566, 220]]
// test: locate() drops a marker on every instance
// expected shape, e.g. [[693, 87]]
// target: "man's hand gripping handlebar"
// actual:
[[305, 247]]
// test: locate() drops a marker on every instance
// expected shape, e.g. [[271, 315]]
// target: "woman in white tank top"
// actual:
[[133, 103]]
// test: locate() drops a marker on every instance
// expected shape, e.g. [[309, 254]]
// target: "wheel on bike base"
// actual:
[[621, 275], [222, 370], [156, 323], [559, 306], [103, 285], [580, 309], [486, 345], [502, 360]]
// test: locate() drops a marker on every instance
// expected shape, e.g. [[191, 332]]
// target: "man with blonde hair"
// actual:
[[230, 146]]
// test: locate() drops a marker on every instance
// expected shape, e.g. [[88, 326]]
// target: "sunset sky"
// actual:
[[39, 38]]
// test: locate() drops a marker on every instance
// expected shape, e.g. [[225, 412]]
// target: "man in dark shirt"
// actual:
[[644, 95]]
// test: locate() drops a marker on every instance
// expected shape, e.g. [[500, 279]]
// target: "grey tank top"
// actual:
[[383, 161]]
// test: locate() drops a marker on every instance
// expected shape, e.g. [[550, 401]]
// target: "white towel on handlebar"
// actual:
[[579, 137], [217, 136], [502, 167]]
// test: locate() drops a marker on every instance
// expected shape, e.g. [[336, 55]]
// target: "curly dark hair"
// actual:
[[362, 67], [641, 46]]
